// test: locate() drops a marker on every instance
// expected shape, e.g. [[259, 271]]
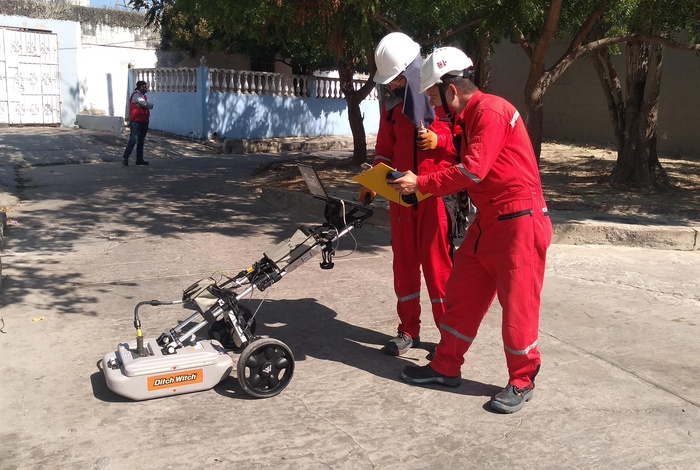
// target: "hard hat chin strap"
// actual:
[[443, 100], [456, 139]]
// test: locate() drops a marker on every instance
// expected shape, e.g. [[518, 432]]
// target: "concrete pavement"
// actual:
[[619, 337]]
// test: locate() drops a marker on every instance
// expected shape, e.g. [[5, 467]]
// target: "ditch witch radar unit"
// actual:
[[179, 362]]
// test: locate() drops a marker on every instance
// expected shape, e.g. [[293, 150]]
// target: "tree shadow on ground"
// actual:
[[574, 179], [169, 200]]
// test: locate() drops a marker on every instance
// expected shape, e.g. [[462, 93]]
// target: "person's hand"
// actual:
[[427, 140], [404, 185], [366, 195]]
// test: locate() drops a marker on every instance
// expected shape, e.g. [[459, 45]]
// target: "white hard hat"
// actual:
[[443, 61], [393, 54]]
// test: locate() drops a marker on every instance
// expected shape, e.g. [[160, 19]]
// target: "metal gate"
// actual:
[[29, 86]]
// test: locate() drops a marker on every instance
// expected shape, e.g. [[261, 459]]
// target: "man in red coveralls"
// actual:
[[139, 115], [505, 248], [420, 232]]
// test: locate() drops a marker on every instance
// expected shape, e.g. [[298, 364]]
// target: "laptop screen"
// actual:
[[312, 181]]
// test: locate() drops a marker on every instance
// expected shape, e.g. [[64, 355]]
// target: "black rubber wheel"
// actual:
[[265, 367], [221, 331]]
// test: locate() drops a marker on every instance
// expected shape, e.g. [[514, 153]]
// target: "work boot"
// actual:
[[512, 398], [141, 162], [415, 375], [401, 344]]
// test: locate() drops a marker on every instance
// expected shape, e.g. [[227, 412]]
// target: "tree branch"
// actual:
[[525, 45], [433, 39], [667, 42], [571, 53], [386, 23], [560, 67], [587, 27], [549, 30]]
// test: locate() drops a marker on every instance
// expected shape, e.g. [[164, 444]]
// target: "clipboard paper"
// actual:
[[375, 179]]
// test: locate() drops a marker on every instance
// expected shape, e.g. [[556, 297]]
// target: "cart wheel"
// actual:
[[220, 331], [265, 367]]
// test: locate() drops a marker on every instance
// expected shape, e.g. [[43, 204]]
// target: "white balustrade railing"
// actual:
[[330, 88], [246, 82], [165, 79], [259, 83]]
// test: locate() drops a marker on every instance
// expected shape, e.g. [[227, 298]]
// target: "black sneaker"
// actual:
[[141, 162], [401, 344], [125, 162], [512, 398], [426, 375]]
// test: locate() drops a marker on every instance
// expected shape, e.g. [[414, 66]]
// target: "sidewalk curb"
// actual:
[[585, 229], [596, 232], [289, 144]]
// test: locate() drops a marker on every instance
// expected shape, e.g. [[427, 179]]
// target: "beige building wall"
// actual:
[[575, 108]]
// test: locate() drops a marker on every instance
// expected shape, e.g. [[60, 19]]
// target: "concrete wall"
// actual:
[[96, 47], [575, 108]]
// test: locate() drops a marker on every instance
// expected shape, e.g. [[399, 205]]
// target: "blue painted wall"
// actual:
[[198, 114]]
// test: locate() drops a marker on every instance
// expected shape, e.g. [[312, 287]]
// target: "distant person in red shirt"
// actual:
[[139, 113]]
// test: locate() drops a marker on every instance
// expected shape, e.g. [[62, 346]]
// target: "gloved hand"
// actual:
[[427, 140], [366, 195]]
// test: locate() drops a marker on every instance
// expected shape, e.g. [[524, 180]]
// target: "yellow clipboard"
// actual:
[[375, 179]]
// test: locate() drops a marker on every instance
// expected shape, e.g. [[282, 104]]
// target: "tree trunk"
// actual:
[[612, 89], [638, 164], [482, 64], [359, 136], [353, 99], [534, 109]]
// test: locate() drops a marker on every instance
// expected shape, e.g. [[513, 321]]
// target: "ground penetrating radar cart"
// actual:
[[178, 361]]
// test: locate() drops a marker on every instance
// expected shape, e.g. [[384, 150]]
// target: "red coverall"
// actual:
[[419, 236], [505, 248]]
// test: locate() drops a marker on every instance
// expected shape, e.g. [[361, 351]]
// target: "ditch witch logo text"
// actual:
[[179, 379]]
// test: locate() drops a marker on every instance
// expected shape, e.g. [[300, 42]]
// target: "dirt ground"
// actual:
[[574, 177]]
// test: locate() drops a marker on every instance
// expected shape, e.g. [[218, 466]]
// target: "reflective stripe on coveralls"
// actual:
[[409, 297], [417, 295], [456, 333], [522, 352], [381, 159], [467, 174]]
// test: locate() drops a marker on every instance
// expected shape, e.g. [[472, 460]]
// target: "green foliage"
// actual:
[[309, 35], [676, 19]]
